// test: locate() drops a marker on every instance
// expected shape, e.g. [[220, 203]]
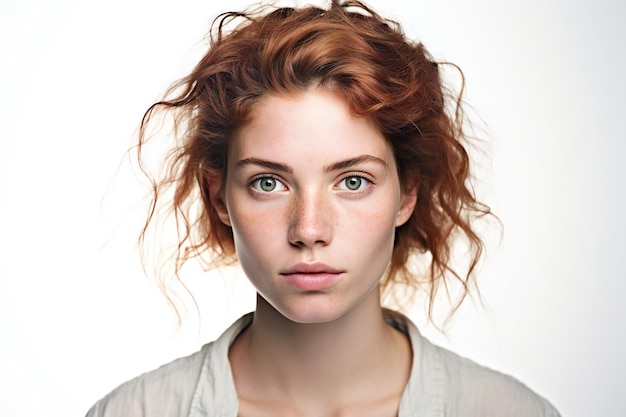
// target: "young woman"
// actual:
[[318, 148]]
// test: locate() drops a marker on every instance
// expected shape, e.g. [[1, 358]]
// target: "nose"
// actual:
[[311, 222]]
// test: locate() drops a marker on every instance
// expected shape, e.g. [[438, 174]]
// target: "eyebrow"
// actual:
[[274, 166], [337, 166]]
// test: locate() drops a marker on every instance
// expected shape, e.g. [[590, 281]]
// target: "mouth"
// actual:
[[310, 268], [315, 276]]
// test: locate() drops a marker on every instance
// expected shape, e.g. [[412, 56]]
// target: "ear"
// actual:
[[216, 197], [407, 205]]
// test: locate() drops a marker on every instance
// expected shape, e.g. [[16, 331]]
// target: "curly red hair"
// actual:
[[382, 75]]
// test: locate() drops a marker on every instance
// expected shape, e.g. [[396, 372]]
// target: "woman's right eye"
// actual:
[[267, 185]]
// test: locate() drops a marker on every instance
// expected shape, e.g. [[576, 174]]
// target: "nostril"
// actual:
[[297, 244], [310, 234]]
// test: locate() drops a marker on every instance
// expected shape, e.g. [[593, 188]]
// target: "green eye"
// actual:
[[267, 185], [353, 183]]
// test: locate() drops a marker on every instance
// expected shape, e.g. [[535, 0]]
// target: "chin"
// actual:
[[312, 311]]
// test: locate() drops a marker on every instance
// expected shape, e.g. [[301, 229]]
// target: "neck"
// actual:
[[358, 335], [306, 362]]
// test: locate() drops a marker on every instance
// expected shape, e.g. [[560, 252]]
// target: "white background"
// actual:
[[77, 316]]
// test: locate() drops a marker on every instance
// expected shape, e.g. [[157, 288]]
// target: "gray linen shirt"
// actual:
[[441, 384]]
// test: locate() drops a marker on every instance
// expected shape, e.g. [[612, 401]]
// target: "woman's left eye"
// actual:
[[354, 183]]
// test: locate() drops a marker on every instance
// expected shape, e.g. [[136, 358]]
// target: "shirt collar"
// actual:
[[215, 393]]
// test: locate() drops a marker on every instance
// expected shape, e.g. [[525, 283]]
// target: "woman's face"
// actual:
[[313, 197]]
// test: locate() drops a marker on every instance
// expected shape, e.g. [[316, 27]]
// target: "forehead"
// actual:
[[317, 121]]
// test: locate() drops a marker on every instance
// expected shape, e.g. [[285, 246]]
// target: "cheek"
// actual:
[[372, 226], [254, 232]]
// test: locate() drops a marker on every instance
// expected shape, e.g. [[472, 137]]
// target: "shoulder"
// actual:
[[166, 391], [444, 383], [485, 392], [187, 386]]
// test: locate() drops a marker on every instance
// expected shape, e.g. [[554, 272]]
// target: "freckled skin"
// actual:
[[310, 213]]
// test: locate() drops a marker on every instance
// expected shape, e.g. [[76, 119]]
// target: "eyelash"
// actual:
[[367, 178], [262, 177]]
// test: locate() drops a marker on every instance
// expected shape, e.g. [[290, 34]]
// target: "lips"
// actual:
[[311, 268], [315, 276]]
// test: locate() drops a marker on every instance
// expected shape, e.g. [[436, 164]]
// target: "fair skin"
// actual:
[[313, 198]]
